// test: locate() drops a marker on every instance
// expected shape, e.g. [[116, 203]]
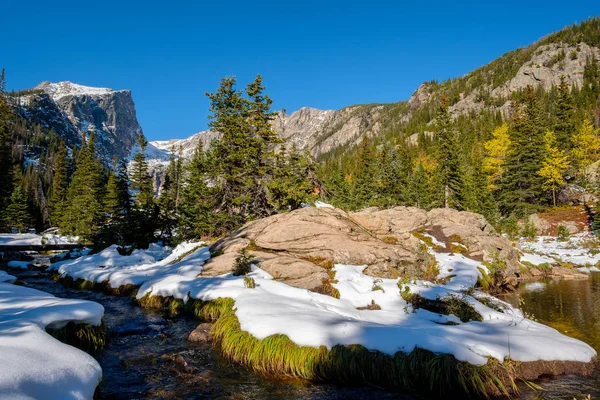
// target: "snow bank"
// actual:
[[547, 249], [4, 277], [139, 267], [19, 264], [34, 365], [24, 239], [311, 319]]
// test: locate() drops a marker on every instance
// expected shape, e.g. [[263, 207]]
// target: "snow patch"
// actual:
[[34, 364]]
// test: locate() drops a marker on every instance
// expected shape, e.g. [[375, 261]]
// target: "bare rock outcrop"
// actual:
[[300, 246]]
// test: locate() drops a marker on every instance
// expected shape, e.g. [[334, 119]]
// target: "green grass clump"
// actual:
[[89, 338], [418, 371], [82, 284], [199, 309], [495, 276], [449, 305]]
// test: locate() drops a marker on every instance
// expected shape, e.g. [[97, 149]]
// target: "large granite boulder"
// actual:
[[300, 246]]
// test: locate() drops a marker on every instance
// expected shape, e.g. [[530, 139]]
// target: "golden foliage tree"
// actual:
[[497, 147], [555, 163]]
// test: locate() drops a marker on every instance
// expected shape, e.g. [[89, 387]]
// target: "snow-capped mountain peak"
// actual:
[[59, 90]]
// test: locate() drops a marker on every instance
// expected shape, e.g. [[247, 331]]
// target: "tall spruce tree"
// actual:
[[264, 138], [6, 156], [364, 182], [199, 200], [59, 184], [169, 198], [144, 214], [17, 213], [521, 186], [448, 154], [235, 154], [117, 207], [83, 215], [564, 107], [292, 182]]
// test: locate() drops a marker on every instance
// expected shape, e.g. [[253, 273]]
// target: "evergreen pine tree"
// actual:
[[199, 200], [364, 183], [17, 213], [83, 215], [6, 156], [145, 212], [169, 198], [451, 171], [564, 127], [141, 181], [264, 139], [521, 186], [293, 182], [59, 184], [234, 154], [117, 207]]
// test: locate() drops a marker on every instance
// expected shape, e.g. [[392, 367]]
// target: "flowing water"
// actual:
[[148, 355], [573, 308]]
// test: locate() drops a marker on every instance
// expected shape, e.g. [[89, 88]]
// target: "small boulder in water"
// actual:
[[201, 334]]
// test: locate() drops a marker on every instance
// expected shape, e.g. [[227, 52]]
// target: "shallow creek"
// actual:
[[148, 355], [572, 307]]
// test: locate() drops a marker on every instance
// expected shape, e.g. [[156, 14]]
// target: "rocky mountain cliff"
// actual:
[[71, 109]]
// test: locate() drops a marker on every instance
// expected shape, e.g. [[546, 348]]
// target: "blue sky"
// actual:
[[323, 54]]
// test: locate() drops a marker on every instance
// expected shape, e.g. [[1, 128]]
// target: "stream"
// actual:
[[148, 356], [573, 308]]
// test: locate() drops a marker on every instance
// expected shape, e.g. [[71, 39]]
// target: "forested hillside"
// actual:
[[455, 143]]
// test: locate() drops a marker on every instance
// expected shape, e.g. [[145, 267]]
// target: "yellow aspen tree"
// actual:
[[497, 147], [586, 148], [555, 163]]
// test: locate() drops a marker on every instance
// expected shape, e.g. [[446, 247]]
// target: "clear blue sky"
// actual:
[[323, 54]]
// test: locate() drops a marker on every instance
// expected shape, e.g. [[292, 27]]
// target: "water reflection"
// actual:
[[573, 308]]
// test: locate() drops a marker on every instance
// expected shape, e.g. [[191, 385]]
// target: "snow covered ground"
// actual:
[[22, 239], [582, 250], [140, 267], [34, 365], [311, 319]]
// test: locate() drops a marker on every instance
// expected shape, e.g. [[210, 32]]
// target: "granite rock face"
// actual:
[[71, 110], [298, 247]]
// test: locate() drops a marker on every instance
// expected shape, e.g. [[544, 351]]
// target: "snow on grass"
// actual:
[[580, 250], [34, 365], [312, 319], [139, 267]]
